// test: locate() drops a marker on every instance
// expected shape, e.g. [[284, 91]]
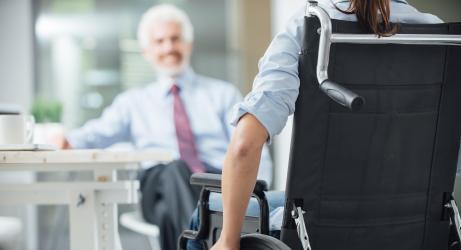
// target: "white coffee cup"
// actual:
[[16, 128]]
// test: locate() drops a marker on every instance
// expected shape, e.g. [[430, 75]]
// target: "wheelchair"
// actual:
[[373, 159]]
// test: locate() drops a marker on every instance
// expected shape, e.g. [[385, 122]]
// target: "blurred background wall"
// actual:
[[448, 10], [16, 52], [17, 87]]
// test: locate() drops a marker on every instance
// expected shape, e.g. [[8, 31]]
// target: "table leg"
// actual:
[[108, 227], [82, 214], [109, 238]]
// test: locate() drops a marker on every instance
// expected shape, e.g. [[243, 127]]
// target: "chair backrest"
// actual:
[[377, 178]]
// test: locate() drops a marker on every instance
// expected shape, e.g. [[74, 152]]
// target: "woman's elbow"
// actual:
[[248, 139], [243, 149], [243, 157]]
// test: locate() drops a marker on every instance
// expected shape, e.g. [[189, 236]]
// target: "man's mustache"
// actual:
[[177, 54]]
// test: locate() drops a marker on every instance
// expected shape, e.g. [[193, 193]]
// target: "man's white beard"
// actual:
[[172, 71]]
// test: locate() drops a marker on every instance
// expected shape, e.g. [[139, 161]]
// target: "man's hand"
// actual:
[[61, 142]]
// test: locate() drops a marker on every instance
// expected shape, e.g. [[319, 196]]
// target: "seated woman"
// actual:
[[264, 111]]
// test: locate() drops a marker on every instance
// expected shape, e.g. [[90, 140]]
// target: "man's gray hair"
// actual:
[[164, 13]]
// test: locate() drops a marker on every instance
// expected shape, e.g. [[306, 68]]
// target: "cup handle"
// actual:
[[30, 125]]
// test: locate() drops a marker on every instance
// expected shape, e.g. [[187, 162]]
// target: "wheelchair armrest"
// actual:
[[189, 234], [206, 180], [184, 237], [214, 181]]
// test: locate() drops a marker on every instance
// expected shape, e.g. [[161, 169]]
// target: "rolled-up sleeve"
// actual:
[[276, 87]]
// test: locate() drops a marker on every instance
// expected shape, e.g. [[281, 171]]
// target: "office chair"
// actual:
[[10, 233], [136, 223], [375, 141]]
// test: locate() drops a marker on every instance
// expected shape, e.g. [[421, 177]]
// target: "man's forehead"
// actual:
[[165, 27]]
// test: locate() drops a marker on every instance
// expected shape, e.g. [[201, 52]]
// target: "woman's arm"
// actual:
[[239, 178], [260, 116]]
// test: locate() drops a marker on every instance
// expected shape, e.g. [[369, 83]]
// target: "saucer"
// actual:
[[27, 147]]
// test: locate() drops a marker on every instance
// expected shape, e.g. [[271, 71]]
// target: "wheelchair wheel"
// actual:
[[261, 242]]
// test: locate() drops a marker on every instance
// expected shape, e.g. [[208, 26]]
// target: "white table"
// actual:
[[93, 204]]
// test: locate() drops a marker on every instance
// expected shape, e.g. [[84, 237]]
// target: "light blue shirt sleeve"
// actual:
[[110, 128], [232, 97], [275, 88]]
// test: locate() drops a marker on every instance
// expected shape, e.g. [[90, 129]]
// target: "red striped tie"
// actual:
[[186, 140]]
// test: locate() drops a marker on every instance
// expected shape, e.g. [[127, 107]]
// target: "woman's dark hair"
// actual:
[[374, 15]]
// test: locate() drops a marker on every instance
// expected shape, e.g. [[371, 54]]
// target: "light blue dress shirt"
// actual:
[[144, 117], [275, 88]]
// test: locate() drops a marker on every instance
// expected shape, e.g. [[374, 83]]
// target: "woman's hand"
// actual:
[[220, 245]]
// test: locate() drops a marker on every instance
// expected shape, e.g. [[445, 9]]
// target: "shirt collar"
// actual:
[[184, 80]]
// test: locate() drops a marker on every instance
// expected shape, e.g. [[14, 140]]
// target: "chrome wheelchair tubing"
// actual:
[[325, 39], [297, 215], [410, 39], [336, 91], [455, 217]]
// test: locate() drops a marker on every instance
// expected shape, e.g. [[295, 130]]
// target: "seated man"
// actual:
[[182, 112]]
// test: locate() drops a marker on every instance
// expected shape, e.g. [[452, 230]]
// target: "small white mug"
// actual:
[[16, 128]]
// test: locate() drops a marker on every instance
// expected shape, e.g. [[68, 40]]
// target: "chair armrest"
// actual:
[[135, 222], [214, 181]]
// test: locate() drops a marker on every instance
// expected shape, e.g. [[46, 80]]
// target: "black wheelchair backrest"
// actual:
[[379, 177]]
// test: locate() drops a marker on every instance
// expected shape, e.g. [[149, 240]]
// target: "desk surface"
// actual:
[[81, 156]]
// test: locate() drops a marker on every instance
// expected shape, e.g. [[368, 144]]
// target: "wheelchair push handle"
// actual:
[[342, 95]]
